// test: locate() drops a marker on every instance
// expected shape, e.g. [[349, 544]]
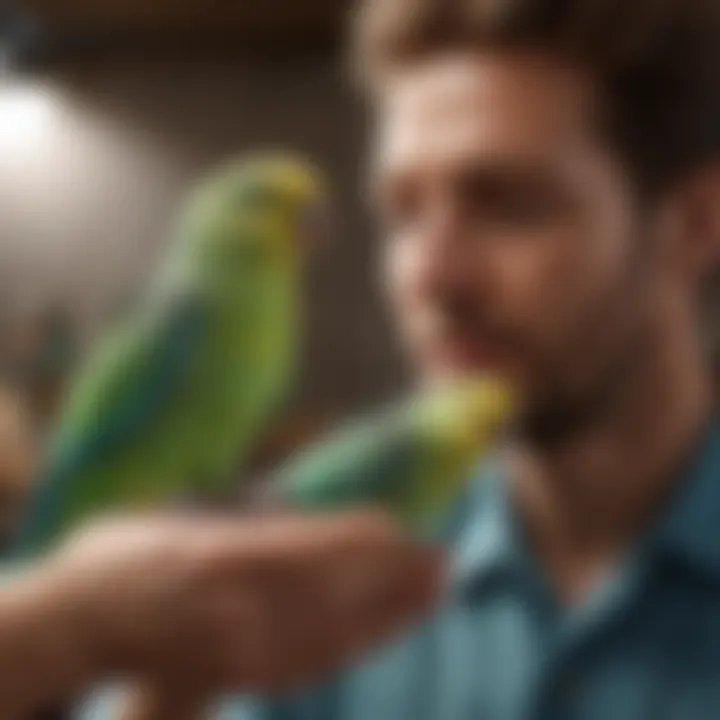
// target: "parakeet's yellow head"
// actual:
[[255, 214], [467, 414], [457, 424], [295, 178]]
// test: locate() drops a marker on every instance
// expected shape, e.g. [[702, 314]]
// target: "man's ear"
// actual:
[[699, 250], [701, 224]]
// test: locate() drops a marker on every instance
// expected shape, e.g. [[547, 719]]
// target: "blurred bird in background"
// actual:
[[175, 398]]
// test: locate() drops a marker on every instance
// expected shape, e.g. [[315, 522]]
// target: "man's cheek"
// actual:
[[528, 275], [403, 283], [399, 274], [538, 322], [409, 317]]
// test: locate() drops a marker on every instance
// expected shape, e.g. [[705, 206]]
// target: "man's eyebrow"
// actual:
[[506, 167], [493, 170]]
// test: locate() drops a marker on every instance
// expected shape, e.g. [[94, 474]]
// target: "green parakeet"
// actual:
[[412, 460], [174, 400]]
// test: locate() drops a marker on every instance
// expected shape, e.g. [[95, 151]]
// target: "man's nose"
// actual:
[[450, 256]]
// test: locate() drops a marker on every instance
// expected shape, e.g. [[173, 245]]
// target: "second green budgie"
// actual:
[[174, 401], [412, 460]]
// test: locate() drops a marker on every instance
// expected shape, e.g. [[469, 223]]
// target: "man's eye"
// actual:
[[507, 197], [521, 207], [530, 204]]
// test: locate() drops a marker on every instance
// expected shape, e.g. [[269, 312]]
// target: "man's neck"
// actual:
[[585, 502]]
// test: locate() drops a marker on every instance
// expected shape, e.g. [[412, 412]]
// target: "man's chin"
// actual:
[[549, 422]]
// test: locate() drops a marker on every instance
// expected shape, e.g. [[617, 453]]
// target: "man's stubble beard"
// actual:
[[597, 387], [562, 414]]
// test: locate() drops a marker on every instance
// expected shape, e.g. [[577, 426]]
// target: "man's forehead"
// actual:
[[504, 103]]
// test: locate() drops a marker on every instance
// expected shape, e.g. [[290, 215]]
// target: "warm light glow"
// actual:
[[26, 114]]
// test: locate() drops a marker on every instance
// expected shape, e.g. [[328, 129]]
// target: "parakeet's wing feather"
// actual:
[[121, 394], [127, 387], [362, 462]]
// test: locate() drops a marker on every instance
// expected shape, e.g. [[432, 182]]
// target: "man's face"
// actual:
[[511, 238]]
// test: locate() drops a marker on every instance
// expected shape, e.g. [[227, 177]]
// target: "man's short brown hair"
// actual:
[[657, 62]]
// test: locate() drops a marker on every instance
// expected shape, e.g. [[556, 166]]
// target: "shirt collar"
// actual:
[[487, 544], [690, 531]]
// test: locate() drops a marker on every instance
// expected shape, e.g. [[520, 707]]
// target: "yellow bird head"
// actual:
[[467, 414], [256, 212]]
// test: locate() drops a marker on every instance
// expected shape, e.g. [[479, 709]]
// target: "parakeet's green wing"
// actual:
[[363, 462], [121, 395]]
